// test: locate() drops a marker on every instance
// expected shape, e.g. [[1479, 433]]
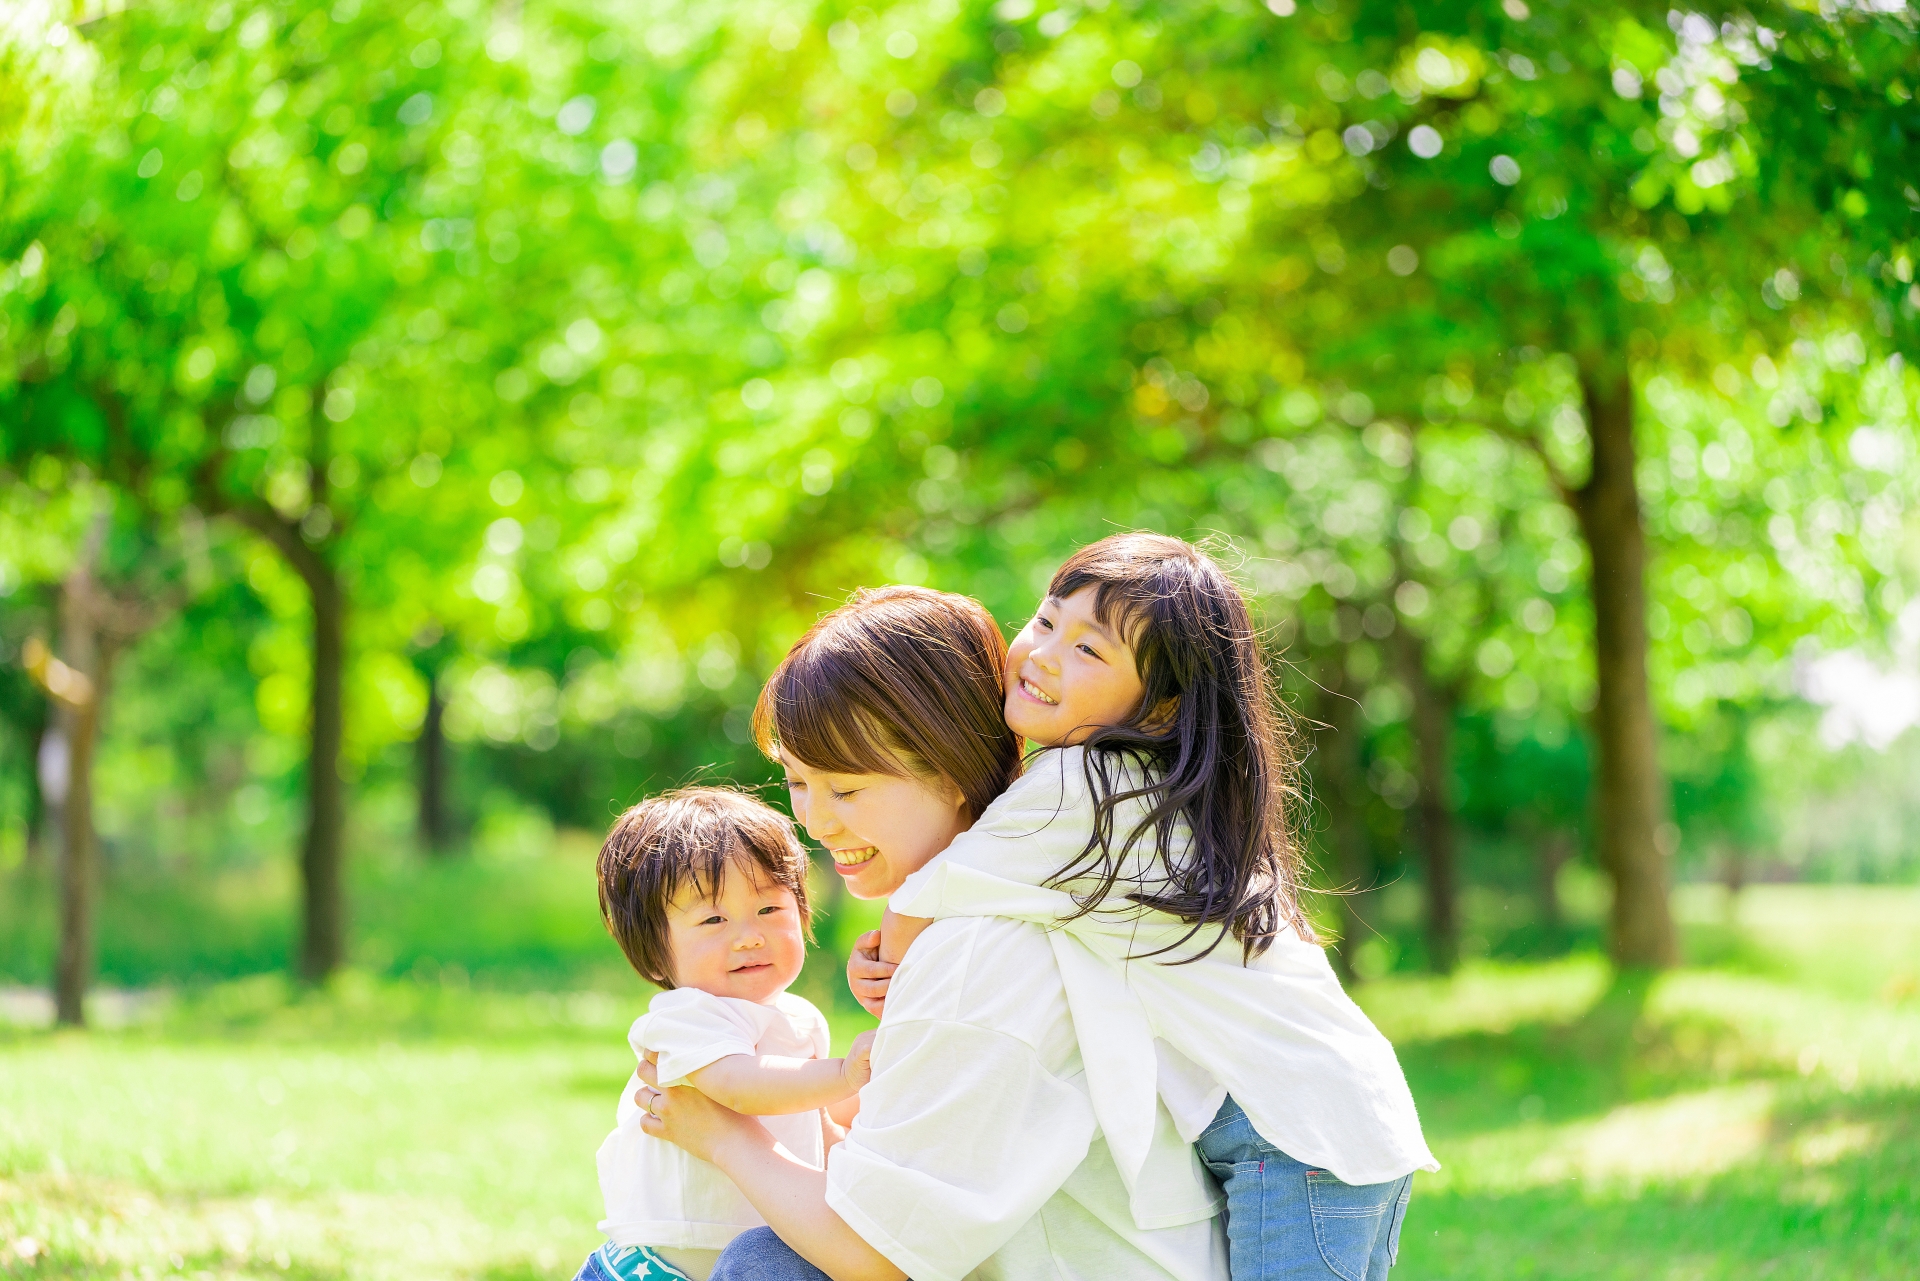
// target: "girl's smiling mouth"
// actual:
[[1037, 694], [848, 861]]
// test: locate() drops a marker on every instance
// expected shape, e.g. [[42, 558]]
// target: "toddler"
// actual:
[[705, 891]]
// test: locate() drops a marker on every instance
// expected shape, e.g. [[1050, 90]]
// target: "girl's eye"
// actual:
[[841, 796], [714, 920], [770, 909], [1088, 650], [1043, 621]]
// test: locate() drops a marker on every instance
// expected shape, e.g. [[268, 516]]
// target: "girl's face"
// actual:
[[741, 938], [879, 828], [1068, 676]]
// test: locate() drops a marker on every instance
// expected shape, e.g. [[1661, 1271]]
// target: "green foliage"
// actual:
[[597, 349]]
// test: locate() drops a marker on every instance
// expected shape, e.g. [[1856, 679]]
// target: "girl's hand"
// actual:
[[868, 975], [689, 1119]]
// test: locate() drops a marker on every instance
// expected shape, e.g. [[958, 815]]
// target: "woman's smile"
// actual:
[[877, 828]]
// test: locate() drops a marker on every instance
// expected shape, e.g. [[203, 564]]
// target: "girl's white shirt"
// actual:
[[1278, 1032], [657, 1194]]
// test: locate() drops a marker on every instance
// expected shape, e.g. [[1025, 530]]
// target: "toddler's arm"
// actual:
[[769, 1085]]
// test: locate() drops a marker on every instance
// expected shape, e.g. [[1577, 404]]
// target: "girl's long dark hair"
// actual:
[[1208, 747]]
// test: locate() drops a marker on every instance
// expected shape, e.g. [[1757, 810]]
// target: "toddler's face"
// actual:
[[742, 939], [1068, 676], [880, 829]]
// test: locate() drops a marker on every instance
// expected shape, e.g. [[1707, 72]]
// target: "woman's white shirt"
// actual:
[[657, 1194], [976, 1153], [1313, 1074]]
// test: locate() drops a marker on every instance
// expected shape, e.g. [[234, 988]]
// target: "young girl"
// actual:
[[705, 891], [1153, 835]]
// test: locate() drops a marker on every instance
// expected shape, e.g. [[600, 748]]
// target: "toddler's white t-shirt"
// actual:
[[657, 1194]]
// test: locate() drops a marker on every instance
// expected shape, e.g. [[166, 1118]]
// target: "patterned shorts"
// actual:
[[627, 1263]]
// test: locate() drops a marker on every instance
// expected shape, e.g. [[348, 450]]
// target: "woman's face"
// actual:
[[880, 828]]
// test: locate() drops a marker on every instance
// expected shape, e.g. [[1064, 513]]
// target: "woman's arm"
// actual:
[[789, 1194]]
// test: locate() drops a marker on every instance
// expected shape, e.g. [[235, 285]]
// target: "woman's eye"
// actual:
[[841, 796]]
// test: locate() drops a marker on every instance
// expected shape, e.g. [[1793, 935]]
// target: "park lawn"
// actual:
[[1759, 1116]]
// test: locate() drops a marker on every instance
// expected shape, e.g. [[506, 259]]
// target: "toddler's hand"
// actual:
[[867, 974], [859, 1061]]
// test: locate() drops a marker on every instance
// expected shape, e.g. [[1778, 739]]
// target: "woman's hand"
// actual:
[[868, 975], [689, 1119]]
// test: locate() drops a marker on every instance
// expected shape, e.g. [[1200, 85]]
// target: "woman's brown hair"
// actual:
[[898, 677]]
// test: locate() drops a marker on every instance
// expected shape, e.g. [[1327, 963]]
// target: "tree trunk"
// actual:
[[323, 908], [78, 697], [1342, 795], [1630, 797], [323, 942], [432, 754], [1555, 850], [1433, 744]]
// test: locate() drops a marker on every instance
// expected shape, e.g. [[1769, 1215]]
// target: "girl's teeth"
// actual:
[[853, 858], [1038, 693]]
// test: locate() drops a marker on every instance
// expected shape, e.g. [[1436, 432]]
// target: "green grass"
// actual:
[[1755, 1115]]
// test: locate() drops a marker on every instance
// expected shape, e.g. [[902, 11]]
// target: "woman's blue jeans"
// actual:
[[758, 1254], [1289, 1222]]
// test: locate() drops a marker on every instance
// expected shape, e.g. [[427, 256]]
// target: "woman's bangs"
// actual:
[[816, 717]]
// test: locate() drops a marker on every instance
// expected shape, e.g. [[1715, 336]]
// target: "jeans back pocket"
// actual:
[[1349, 1221]]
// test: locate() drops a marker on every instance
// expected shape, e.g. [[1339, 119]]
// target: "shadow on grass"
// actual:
[[1833, 1193], [1613, 1052]]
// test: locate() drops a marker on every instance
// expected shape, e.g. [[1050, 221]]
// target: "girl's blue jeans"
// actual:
[[1289, 1222]]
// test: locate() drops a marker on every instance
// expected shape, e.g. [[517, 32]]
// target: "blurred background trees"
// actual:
[[503, 387]]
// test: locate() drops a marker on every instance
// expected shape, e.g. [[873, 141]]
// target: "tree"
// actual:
[[217, 248], [98, 618]]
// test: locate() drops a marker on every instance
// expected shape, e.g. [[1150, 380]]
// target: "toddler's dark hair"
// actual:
[[688, 837], [1224, 760]]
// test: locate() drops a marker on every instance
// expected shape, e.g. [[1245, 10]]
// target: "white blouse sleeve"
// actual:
[[1000, 866], [690, 1029], [962, 1136]]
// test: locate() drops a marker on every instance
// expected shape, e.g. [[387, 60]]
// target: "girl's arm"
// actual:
[[770, 1085], [789, 1194], [897, 934]]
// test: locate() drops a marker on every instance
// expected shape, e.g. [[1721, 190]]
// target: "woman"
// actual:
[[976, 1151]]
